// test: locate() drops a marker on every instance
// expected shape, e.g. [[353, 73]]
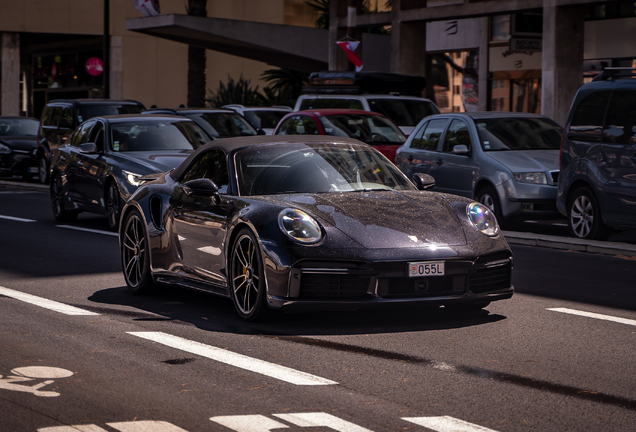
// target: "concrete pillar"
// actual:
[[116, 67], [10, 74], [484, 51], [562, 74], [408, 44]]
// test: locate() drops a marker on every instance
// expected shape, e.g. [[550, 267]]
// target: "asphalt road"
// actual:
[[79, 353]]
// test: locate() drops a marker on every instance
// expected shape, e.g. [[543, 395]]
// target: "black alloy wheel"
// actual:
[[113, 206], [247, 280], [135, 254], [57, 202], [584, 216], [43, 169], [488, 197]]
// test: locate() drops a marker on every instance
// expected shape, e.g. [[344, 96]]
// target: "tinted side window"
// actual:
[[55, 115], [68, 115], [298, 125], [416, 142], [46, 116], [286, 127], [85, 132], [211, 165], [587, 120], [430, 138], [97, 136], [457, 134], [621, 118]]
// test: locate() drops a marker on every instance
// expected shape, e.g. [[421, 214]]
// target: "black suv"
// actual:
[[597, 182], [60, 117]]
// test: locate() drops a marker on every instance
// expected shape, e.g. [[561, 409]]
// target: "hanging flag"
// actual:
[[349, 48], [147, 7]]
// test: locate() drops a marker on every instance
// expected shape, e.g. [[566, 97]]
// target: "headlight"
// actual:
[[299, 226], [133, 178], [482, 219], [4, 149], [531, 177]]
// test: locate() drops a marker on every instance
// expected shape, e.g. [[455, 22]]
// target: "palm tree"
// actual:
[[286, 83], [196, 60]]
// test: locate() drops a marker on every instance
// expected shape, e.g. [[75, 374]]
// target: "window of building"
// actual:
[[454, 78]]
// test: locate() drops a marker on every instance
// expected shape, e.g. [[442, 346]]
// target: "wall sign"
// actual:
[[94, 66]]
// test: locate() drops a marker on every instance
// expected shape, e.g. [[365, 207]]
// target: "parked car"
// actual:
[[216, 122], [507, 161], [394, 95], [304, 222], [60, 117], [368, 127], [106, 159], [597, 185], [263, 118], [18, 141]]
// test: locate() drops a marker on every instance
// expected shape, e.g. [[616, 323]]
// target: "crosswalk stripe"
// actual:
[[446, 424], [89, 230], [594, 315], [16, 219], [272, 370]]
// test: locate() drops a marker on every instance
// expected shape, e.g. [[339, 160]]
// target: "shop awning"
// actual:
[[300, 48]]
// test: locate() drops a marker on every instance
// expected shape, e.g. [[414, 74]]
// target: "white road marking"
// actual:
[[447, 424], [133, 426], [595, 315], [88, 230], [17, 219], [45, 303], [320, 419], [248, 423], [18, 192], [145, 426], [238, 360]]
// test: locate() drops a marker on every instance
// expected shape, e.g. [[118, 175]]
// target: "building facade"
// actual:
[[55, 49]]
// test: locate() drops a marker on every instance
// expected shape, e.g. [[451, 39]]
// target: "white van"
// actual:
[[393, 95]]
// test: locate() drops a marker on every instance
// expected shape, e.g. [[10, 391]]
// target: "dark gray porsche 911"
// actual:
[[296, 222]]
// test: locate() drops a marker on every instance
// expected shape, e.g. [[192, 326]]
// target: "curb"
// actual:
[[570, 243], [25, 186]]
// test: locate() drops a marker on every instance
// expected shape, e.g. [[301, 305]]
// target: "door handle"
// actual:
[[439, 162]]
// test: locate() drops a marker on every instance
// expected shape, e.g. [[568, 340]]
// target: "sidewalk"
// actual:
[[513, 237]]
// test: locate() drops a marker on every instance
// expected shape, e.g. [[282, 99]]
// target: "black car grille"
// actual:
[[491, 278], [334, 286]]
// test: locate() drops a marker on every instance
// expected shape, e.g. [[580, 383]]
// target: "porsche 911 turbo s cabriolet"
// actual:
[[300, 223]]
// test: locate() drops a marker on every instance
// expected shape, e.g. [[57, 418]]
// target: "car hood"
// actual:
[[384, 219], [20, 143], [527, 160], [157, 161]]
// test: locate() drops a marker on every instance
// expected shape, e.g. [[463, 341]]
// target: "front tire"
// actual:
[[584, 216], [247, 277], [57, 202], [488, 197], [113, 206], [135, 254], [43, 169]]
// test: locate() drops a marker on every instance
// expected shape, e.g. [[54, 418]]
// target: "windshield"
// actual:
[[90, 111], [519, 134], [18, 127], [265, 119], [222, 124], [404, 112], [371, 129], [156, 135], [315, 168]]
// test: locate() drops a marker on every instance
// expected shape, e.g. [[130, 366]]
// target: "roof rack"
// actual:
[[334, 82], [616, 73]]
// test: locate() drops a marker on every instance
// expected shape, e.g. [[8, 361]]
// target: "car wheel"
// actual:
[[135, 254], [43, 169], [247, 277], [584, 216], [113, 206], [57, 202], [488, 197]]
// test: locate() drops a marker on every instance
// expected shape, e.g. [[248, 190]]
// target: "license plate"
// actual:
[[426, 268]]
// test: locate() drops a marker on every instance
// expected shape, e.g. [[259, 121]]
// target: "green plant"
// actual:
[[235, 92]]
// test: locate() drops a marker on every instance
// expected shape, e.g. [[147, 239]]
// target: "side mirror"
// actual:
[[201, 187], [261, 131], [63, 123], [460, 150], [423, 181], [88, 148]]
